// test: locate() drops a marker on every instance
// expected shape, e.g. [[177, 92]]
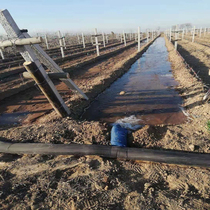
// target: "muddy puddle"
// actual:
[[146, 92], [12, 118]]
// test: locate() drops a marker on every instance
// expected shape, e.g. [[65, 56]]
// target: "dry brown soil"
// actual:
[[197, 56], [204, 40]]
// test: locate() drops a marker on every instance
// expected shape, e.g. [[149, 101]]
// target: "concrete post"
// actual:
[[182, 33], [107, 38], [96, 41], [124, 38], [175, 45], [61, 45], [121, 38], [204, 31], [46, 41], [170, 35], [47, 88], [78, 38], [139, 40], [2, 54], [176, 37], [83, 40], [193, 36], [104, 42], [64, 41]]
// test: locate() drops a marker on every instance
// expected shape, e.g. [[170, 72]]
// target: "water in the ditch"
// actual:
[[12, 118], [149, 93]]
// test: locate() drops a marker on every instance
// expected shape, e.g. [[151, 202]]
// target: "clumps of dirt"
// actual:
[[147, 137], [98, 183], [63, 131], [157, 132]]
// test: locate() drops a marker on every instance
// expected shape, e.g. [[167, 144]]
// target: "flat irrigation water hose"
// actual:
[[161, 156]]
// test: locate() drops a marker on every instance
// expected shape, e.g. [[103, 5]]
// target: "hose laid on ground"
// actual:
[[161, 156]]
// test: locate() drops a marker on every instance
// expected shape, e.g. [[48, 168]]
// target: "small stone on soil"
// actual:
[[122, 93]]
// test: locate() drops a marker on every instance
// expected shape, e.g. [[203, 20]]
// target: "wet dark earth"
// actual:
[[146, 91], [12, 118]]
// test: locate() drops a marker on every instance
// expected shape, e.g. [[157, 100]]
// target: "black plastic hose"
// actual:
[[161, 156]]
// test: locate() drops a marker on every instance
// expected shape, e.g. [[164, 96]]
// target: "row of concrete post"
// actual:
[[193, 32], [105, 39]]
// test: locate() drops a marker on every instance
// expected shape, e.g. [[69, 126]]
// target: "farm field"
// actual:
[[93, 182], [203, 40], [104, 105]]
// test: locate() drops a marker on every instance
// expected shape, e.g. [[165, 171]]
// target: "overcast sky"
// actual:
[[109, 15]]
